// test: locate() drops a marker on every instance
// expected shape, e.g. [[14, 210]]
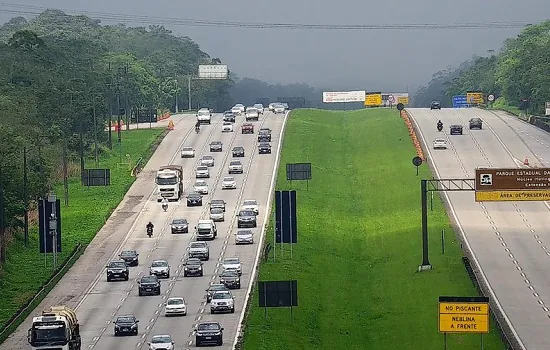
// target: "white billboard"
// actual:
[[213, 71], [344, 96]]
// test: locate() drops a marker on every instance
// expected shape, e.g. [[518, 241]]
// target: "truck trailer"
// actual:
[[169, 182], [57, 328]]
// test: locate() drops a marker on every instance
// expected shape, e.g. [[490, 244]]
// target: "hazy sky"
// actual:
[[339, 60]]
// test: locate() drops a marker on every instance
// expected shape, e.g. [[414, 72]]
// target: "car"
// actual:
[[247, 128], [229, 183], [435, 105], [201, 187], [130, 256], [188, 152], [456, 130], [264, 148], [206, 230], [216, 146], [117, 269], [217, 203], [199, 250], [175, 306], [161, 342], [244, 237], [148, 285], [252, 114], [476, 123], [230, 279], [193, 267], [227, 127], [126, 325], [236, 110], [264, 135], [204, 116], [251, 204], [259, 107], [207, 160], [202, 172], [237, 151], [271, 106], [179, 226], [229, 116], [209, 333], [215, 287], [217, 214], [232, 264], [279, 108], [160, 268], [440, 143], [194, 199], [241, 107], [222, 301], [246, 218], [235, 167]]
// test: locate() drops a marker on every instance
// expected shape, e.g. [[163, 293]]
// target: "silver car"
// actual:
[[202, 171], [233, 264], [229, 183], [259, 107], [244, 237], [160, 268], [222, 301], [187, 152], [175, 306], [207, 161], [217, 214], [235, 167]]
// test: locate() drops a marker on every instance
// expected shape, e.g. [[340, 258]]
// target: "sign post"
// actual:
[[515, 184]]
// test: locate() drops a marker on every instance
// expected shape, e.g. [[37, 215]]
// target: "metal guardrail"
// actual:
[[24, 310]]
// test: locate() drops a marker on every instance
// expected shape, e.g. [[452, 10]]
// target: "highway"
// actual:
[[509, 240], [99, 302]]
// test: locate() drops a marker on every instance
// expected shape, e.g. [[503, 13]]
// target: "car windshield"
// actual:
[[227, 123], [198, 244], [227, 273], [161, 339], [194, 195], [175, 301], [216, 143], [244, 233], [187, 149], [215, 287], [239, 105], [159, 263], [125, 319], [128, 253], [247, 213], [203, 226], [235, 163], [202, 168], [204, 112], [253, 110], [208, 327], [179, 222], [231, 261], [238, 149], [228, 179], [258, 106], [207, 158], [200, 183], [148, 279], [216, 210], [250, 202], [221, 295], [439, 140], [193, 262], [118, 264]]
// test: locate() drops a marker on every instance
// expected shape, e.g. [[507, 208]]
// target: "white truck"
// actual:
[[169, 182], [57, 328], [204, 116]]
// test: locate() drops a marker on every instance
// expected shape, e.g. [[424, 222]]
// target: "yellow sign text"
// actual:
[[510, 196], [373, 99]]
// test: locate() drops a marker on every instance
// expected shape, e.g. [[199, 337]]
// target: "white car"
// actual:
[[202, 171], [233, 264], [279, 109], [161, 342], [207, 161], [227, 127], [271, 107], [222, 301], [188, 152], [201, 187], [241, 107], [217, 214], [175, 306], [229, 183], [236, 110], [251, 204], [259, 107], [252, 113], [244, 237], [440, 143]]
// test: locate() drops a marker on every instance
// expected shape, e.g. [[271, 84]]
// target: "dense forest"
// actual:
[[519, 72], [62, 76]]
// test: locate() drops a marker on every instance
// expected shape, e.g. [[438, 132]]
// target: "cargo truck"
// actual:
[[169, 182], [57, 328]]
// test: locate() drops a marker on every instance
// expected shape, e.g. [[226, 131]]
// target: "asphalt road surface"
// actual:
[[99, 302], [510, 240]]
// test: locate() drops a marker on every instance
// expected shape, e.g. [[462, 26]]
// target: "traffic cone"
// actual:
[[526, 161]]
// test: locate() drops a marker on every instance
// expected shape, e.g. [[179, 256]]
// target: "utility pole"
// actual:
[[65, 173], [110, 103], [96, 148], [189, 91], [25, 198], [2, 218], [176, 90], [126, 101], [81, 151]]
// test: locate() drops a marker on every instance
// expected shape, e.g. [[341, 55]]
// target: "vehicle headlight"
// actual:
[[134, 326], [200, 267]]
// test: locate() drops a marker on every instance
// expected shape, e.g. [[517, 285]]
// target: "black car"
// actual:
[[246, 218], [476, 123], [435, 105], [126, 325], [456, 130], [209, 333], [130, 256], [216, 146], [149, 285], [230, 279], [117, 269], [264, 148], [194, 199], [238, 151], [179, 226], [228, 116], [193, 267], [218, 203], [216, 287], [264, 135]]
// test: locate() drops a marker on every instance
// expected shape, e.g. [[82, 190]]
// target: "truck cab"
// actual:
[[56, 328], [169, 182], [204, 116], [206, 230]]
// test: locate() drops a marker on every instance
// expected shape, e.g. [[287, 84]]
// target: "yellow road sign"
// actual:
[[474, 97], [463, 317], [373, 99], [510, 196], [403, 99]]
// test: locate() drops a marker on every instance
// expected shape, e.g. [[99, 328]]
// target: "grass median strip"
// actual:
[[25, 270], [359, 243]]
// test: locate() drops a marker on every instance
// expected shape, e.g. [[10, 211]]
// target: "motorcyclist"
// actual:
[[164, 204], [197, 126], [439, 124], [150, 227]]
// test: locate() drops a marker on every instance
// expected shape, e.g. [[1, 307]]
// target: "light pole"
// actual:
[[52, 199]]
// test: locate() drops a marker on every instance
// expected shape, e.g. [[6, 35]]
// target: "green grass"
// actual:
[[502, 104], [359, 243], [24, 271]]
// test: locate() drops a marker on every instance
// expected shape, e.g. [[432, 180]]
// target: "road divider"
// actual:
[[412, 133]]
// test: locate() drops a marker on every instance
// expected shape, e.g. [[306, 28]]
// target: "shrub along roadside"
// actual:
[[25, 269], [359, 243]]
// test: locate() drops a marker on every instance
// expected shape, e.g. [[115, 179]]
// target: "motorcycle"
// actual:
[[439, 127], [197, 129], [149, 232], [164, 206]]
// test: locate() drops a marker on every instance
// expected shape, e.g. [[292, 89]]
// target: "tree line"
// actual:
[[518, 75], [62, 78]]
